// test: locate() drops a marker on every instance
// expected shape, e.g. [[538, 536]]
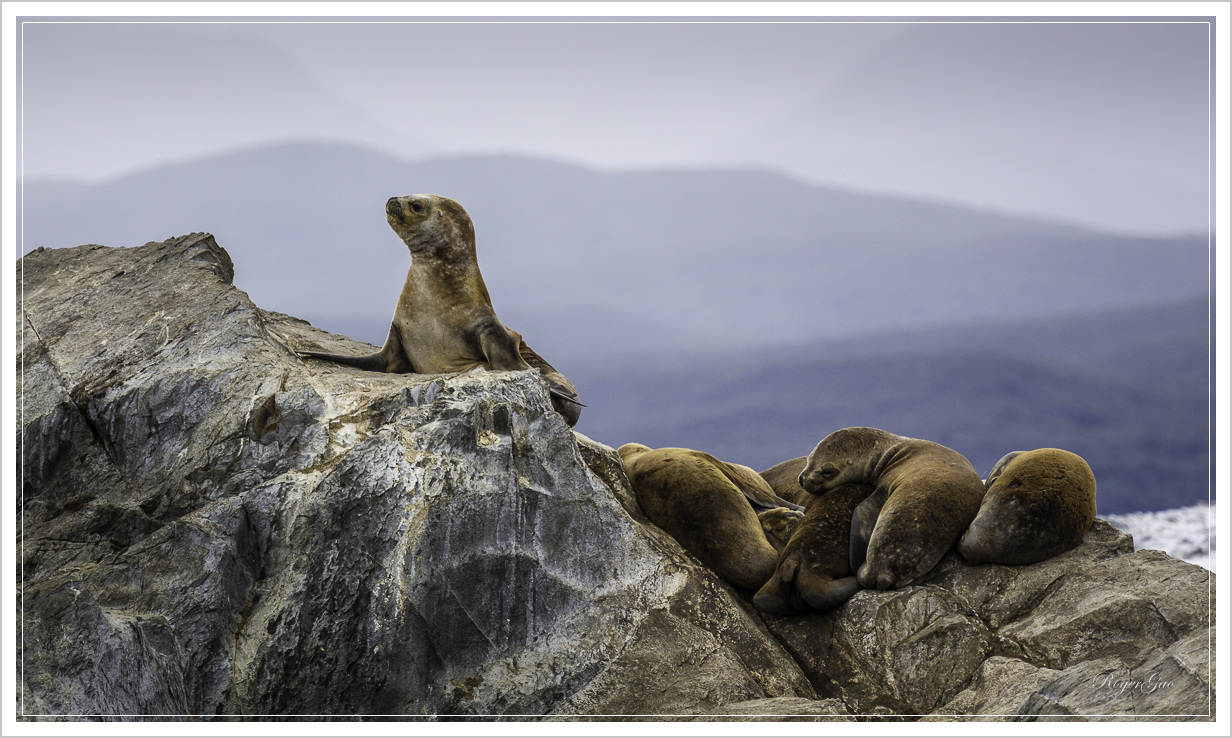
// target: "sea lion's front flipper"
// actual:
[[389, 359], [822, 592], [778, 594], [558, 385], [1000, 467], [863, 520], [497, 344], [778, 524]]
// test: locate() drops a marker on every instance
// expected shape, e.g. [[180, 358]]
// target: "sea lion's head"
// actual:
[[838, 458], [628, 451], [429, 224]]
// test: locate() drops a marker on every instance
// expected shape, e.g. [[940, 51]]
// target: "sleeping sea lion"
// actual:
[[784, 479], [814, 570], [1038, 504], [928, 495], [709, 507]]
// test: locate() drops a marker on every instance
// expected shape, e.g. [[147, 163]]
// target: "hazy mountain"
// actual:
[[1104, 123], [1127, 390], [935, 110], [740, 312], [722, 257], [117, 97]]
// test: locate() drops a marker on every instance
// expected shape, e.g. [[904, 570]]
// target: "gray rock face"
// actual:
[[212, 526], [1061, 637]]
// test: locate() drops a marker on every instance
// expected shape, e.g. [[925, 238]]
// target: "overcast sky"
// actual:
[[1103, 124]]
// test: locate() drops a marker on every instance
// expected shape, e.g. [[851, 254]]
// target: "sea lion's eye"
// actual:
[[417, 207], [830, 473]]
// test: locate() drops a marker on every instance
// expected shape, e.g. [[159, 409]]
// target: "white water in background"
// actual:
[[1185, 533]]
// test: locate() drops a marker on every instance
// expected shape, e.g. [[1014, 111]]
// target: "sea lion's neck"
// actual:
[[886, 457], [435, 276]]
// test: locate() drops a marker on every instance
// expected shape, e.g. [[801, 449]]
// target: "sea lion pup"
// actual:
[[814, 570], [928, 494], [1038, 504], [444, 321], [707, 505]]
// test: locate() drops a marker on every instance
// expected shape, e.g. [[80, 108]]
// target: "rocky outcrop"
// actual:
[[213, 527], [1096, 631]]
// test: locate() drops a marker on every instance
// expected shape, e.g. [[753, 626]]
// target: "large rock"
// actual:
[[1097, 631], [215, 527]]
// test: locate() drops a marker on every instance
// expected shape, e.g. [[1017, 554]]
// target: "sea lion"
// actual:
[[928, 495], [707, 505], [779, 524], [784, 479], [1038, 504], [444, 321], [814, 569]]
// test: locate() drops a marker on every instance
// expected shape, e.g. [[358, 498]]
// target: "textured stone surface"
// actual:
[[1061, 637], [211, 526]]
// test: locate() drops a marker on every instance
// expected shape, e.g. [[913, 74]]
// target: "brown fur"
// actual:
[[931, 494], [444, 321], [784, 479], [1038, 504], [814, 570], [699, 501], [779, 524]]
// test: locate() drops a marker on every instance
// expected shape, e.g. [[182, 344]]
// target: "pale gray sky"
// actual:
[[1103, 124]]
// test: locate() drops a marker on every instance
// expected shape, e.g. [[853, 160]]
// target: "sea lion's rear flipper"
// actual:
[[390, 359], [863, 520], [755, 489], [564, 394]]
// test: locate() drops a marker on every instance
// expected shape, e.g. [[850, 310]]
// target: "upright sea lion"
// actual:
[[928, 494], [444, 321], [1038, 504], [814, 569], [707, 505]]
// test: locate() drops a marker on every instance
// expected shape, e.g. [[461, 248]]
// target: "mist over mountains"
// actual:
[[737, 311], [1126, 389], [1105, 123], [708, 256]]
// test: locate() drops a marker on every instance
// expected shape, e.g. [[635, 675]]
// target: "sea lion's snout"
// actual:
[[818, 480], [393, 208]]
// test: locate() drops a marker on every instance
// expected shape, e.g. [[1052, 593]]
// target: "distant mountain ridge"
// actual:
[[739, 312], [725, 257], [983, 390]]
